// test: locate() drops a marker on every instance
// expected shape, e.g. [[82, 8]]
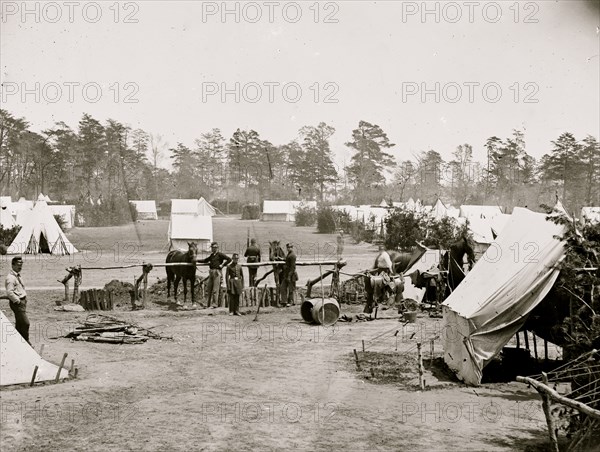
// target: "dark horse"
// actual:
[[187, 272], [401, 260], [276, 253], [453, 262]]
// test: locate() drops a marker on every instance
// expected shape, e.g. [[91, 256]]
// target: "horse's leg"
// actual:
[[176, 285], [192, 284], [184, 279], [169, 279]]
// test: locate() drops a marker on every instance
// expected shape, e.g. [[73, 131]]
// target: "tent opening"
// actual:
[[44, 248]]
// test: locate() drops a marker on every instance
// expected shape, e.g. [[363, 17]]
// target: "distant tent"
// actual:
[[496, 297], [40, 233], [184, 228], [439, 210], [19, 359], [383, 203], [483, 212], [283, 210], [146, 210], [66, 212], [410, 204], [6, 218], [192, 207], [591, 214]]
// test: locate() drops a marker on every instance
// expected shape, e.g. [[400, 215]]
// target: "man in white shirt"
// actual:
[[15, 290], [383, 262]]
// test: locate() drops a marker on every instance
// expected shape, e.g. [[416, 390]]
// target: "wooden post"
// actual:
[[431, 347], [535, 353], [145, 286], [35, 369], [363, 344], [548, 414], [518, 341], [420, 357], [356, 358], [62, 363], [545, 351], [66, 291], [78, 277], [526, 339]]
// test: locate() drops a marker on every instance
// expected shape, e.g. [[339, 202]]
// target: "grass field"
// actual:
[[231, 383]]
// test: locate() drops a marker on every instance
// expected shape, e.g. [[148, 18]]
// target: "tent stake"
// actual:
[[62, 363], [35, 369]]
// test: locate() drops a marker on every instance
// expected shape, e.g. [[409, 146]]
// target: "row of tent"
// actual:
[[15, 213]]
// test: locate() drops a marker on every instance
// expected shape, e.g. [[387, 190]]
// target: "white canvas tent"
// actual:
[[40, 233], [591, 214], [496, 297], [439, 210], [6, 218], [283, 210], [146, 210], [483, 212], [184, 228], [67, 213], [18, 359], [192, 207]]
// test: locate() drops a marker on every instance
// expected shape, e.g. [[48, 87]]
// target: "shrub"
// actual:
[[114, 211], [403, 228], [61, 221], [251, 212], [326, 220], [7, 235], [306, 216]]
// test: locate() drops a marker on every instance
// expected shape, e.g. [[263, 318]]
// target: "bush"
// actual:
[[61, 221], [7, 235], [251, 212], [440, 234], [306, 216], [403, 228], [326, 220]]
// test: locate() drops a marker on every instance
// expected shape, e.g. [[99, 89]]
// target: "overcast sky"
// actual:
[[370, 57]]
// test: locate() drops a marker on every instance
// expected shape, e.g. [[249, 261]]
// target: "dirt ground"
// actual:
[[230, 383]]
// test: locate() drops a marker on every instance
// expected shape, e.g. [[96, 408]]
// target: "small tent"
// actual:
[[40, 233], [192, 207], [146, 210], [284, 210], [496, 297], [439, 210], [482, 212], [19, 359]]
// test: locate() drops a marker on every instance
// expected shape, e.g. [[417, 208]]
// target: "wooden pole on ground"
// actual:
[[259, 303], [356, 358], [322, 295], [363, 345], [420, 358], [62, 363], [35, 369], [548, 414]]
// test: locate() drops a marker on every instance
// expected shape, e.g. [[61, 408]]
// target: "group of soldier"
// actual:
[[234, 276]]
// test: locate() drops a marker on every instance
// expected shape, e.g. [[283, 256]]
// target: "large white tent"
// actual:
[[482, 212], [496, 297], [146, 210], [184, 228], [284, 210], [18, 359], [7, 220], [439, 210], [40, 233]]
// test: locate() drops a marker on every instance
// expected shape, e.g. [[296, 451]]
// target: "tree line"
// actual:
[[108, 160]]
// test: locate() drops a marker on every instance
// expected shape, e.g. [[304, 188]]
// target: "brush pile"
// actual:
[[101, 328]]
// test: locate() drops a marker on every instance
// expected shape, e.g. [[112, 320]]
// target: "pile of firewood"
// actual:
[[101, 328]]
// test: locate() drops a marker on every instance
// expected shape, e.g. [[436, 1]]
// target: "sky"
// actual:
[[433, 75]]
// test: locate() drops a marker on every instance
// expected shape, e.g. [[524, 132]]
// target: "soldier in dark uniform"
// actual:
[[252, 256], [290, 276], [235, 285], [216, 261]]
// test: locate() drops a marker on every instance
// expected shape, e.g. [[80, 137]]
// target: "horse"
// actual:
[[276, 253], [453, 260], [187, 272], [402, 259]]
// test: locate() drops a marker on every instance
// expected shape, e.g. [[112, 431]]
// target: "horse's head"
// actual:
[[192, 251], [274, 248]]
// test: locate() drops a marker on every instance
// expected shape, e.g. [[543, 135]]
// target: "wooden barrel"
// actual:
[[326, 312]]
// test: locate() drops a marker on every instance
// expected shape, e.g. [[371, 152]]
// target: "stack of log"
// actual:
[[99, 328], [96, 300]]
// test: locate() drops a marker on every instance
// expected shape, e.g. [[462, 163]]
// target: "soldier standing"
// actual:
[[235, 285], [252, 256], [216, 261], [290, 276]]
